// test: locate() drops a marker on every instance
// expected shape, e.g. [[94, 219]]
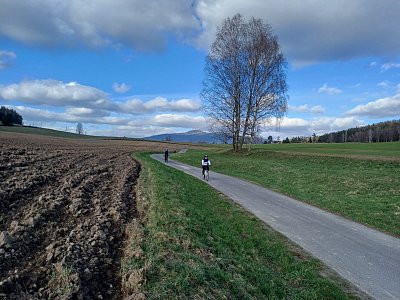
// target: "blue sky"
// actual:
[[135, 68]]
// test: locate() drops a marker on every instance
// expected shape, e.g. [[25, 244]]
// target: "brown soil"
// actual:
[[64, 206]]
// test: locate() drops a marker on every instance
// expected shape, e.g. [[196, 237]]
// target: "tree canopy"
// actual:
[[79, 128], [245, 79], [9, 117]]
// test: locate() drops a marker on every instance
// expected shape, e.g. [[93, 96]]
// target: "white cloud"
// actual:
[[294, 126], [305, 108], [54, 93], [330, 124], [35, 114], [136, 131], [388, 66], [121, 87], [171, 120], [185, 105], [86, 112], [381, 108], [59, 94], [136, 106], [142, 25], [6, 58], [117, 125], [71, 116], [300, 127], [384, 84], [329, 90]]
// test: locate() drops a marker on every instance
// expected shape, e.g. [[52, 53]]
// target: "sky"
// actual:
[[135, 68]]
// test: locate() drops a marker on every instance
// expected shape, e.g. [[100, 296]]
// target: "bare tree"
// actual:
[[79, 128], [314, 138], [245, 81]]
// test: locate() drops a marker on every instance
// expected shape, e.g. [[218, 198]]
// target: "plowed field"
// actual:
[[64, 205]]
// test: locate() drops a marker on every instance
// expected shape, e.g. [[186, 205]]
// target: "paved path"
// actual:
[[367, 258]]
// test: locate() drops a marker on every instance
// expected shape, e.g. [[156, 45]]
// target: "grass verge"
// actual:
[[366, 191], [197, 244], [355, 150]]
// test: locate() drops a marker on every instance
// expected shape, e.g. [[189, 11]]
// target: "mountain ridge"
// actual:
[[191, 136]]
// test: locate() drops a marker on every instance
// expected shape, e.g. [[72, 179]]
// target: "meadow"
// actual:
[[197, 244], [357, 181], [354, 150]]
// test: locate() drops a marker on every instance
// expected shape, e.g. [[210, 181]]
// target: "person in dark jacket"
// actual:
[[166, 154]]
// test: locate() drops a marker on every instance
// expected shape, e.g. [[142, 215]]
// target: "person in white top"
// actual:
[[205, 163]]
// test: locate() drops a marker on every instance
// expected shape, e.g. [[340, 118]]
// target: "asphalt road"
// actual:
[[367, 258]]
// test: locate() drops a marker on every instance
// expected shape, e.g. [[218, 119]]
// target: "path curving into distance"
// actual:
[[367, 258]]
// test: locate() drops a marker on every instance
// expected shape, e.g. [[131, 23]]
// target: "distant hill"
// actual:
[[43, 131], [57, 133], [192, 136]]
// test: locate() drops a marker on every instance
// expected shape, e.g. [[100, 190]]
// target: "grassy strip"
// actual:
[[376, 150], [366, 191], [199, 245]]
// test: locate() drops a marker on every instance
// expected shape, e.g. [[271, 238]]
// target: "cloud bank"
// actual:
[[157, 123], [86, 104], [72, 94], [309, 31], [314, 31], [72, 102], [305, 108], [290, 127], [142, 25], [381, 108]]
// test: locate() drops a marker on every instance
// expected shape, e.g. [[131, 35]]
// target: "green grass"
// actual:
[[198, 244], [364, 190], [362, 150]]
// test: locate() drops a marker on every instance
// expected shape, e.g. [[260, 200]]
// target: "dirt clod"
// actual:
[[63, 212]]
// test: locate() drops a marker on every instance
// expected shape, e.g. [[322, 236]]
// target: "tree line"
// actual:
[[9, 117], [302, 139], [388, 131]]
